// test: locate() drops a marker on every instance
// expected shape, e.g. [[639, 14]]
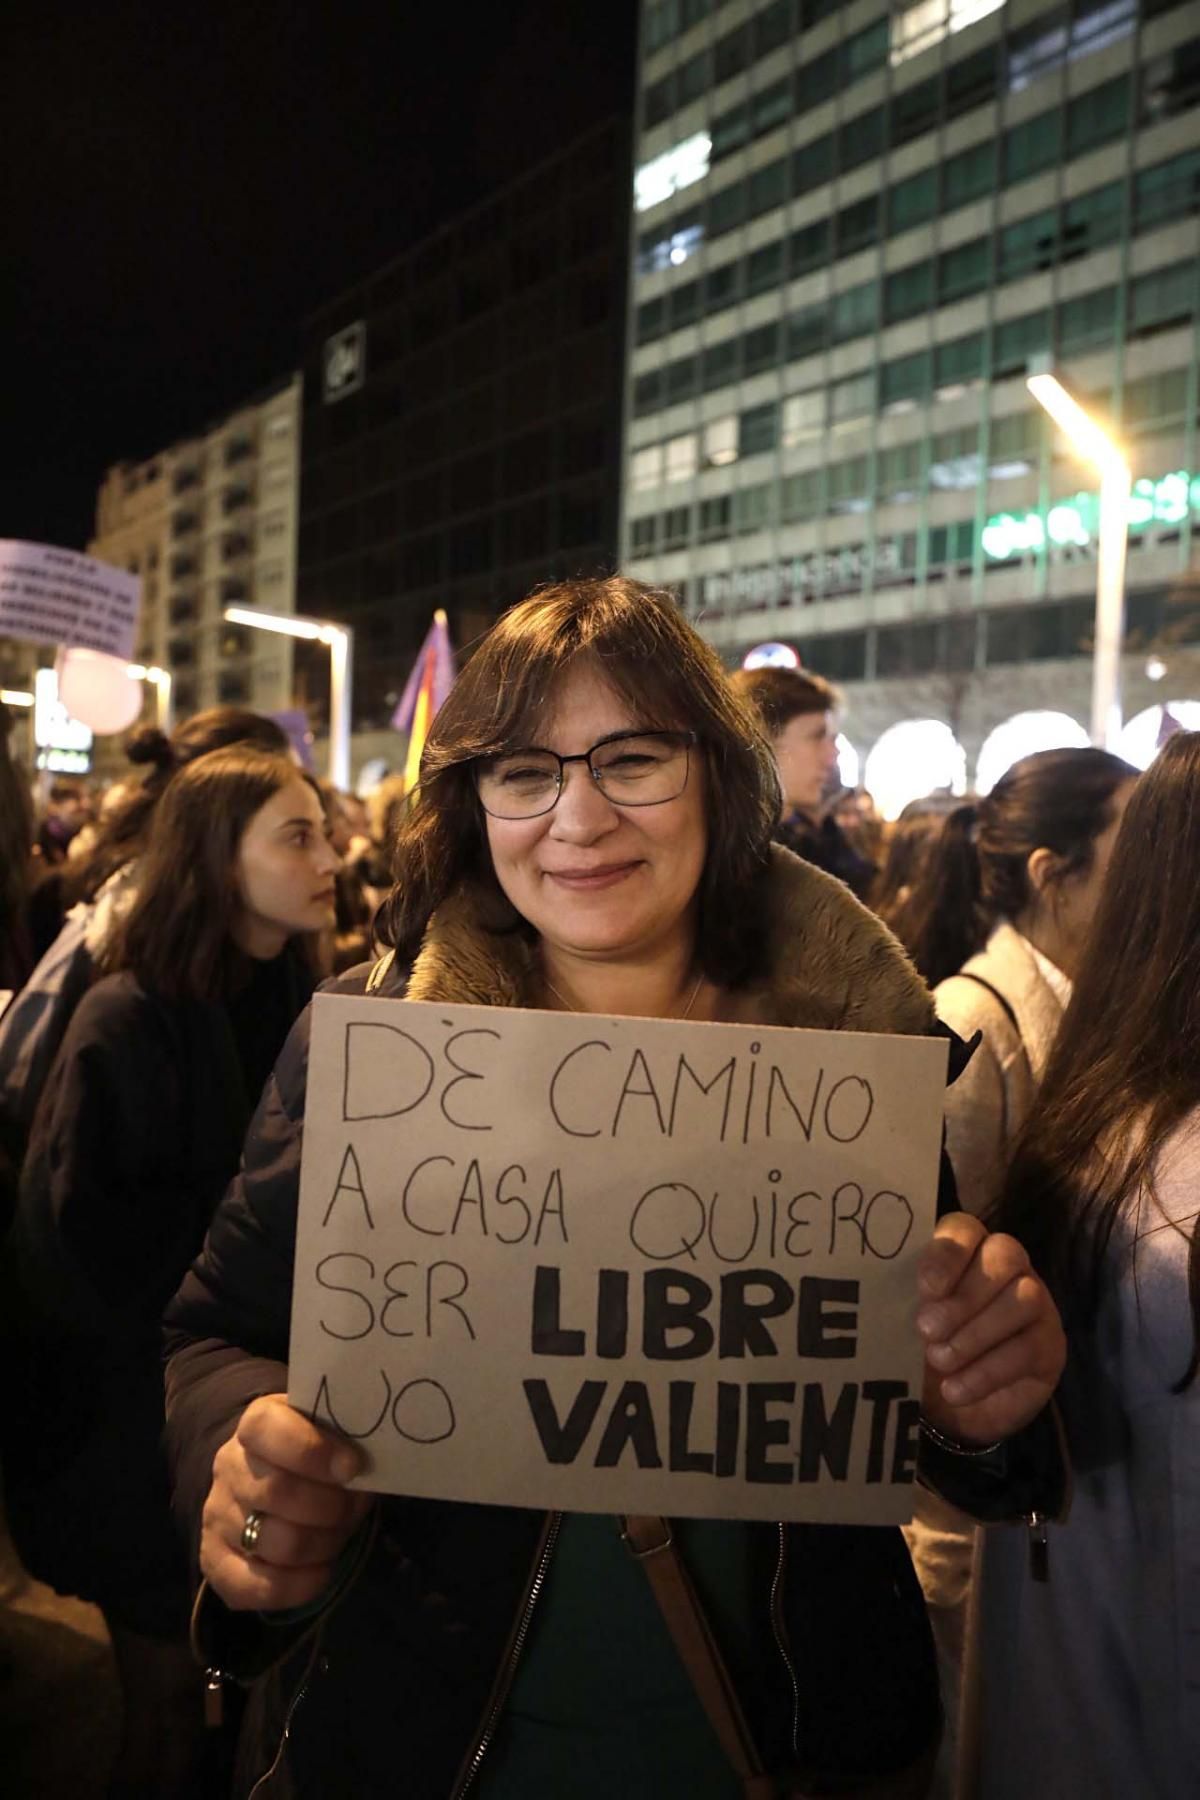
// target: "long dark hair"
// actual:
[[1125, 1068], [907, 844], [123, 834], [639, 641], [177, 936], [976, 871]]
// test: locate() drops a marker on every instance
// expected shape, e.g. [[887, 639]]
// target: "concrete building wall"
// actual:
[[209, 522], [879, 223]]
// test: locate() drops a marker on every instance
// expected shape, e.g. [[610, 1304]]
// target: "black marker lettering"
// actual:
[[630, 1422], [548, 1337], [662, 1314], [824, 1439], [372, 1049], [762, 1432], [336, 1287], [815, 1327], [428, 1412], [561, 1443], [464, 1075], [742, 1330], [571, 1130], [346, 1186]]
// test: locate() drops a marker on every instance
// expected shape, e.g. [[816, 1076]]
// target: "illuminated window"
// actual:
[[918, 27], [674, 170], [721, 441], [646, 468], [681, 457], [803, 417]]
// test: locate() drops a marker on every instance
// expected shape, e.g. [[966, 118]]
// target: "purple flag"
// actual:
[[435, 658], [299, 733]]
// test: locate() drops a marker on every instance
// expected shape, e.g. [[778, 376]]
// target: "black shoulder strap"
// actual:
[[997, 996]]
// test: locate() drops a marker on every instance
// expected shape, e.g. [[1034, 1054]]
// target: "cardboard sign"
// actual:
[[616, 1265], [60, 597]]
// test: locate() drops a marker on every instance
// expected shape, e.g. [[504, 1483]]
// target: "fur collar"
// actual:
[[831, 964]]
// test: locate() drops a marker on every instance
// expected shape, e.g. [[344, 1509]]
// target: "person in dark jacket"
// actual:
[[797, 711], [136, 1136], [591, 832]]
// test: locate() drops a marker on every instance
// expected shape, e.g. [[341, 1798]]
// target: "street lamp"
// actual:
[[340, 642], [1095, 446], [161, 681]]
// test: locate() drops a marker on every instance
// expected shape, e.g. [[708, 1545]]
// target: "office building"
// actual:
[[208, 523], [856, 229], [461, 434]]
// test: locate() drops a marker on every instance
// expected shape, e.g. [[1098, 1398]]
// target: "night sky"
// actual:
[[182, 184]]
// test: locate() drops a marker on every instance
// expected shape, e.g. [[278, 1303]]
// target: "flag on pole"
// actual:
[[431, 679]]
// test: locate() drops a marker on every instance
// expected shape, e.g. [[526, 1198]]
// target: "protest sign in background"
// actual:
[[57, 596], [623, 1265]]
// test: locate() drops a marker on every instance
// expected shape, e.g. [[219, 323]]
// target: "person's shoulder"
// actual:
[[382, 975], [833, 961]]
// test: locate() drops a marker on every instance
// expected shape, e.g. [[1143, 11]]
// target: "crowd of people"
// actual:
[[607, 822]]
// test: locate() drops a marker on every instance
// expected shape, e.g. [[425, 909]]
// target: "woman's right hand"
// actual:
[[292, 1473]]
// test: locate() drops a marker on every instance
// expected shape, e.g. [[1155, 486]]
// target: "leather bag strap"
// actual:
[[652, 1543]]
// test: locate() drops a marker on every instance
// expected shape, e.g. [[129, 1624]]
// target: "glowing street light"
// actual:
[[15, 697], [160, 679], [1094, 445], [340, 642]]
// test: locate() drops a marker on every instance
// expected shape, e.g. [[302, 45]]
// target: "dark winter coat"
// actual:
[[387, 1690], [136, 1137]]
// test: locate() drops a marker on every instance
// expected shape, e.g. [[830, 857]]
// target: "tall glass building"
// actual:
[[856, 230]]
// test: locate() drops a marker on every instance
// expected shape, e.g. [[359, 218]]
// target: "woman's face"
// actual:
[[595, 879], [285, 872]]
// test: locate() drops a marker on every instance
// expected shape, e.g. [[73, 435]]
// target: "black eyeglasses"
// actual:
[[632, 768]]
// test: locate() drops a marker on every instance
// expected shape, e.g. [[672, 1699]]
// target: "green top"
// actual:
[[601, 1703]]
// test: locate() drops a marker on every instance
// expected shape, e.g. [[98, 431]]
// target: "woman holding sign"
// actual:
[[592, 834]]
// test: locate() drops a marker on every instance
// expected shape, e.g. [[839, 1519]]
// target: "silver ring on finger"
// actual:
[[251, 1532]]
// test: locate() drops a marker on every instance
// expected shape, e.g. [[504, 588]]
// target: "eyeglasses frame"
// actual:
[[690, 740]]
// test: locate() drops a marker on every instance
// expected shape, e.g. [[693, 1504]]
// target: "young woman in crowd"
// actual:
[[138, 1132], [997, 921], [997, 914], [97, 893], [591, 833], [1092, 1679]]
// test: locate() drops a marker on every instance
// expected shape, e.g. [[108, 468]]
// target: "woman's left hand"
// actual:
[[994, 1343]]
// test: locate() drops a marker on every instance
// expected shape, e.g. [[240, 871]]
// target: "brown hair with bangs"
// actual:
[[638, 640], [177, 936]]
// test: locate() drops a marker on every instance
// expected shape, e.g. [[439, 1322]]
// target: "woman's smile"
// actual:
[[583, 880]]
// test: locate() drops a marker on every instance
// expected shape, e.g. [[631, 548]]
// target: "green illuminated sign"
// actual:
[[1076, 522]]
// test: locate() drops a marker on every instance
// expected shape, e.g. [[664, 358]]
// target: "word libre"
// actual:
[[617, 1265]]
